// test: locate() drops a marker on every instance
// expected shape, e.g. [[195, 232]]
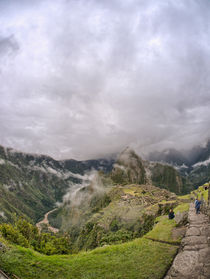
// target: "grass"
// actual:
[[202, 192], [168, 202], [133, 190], [162, 231], [140, 259], [187, 197], [182, 207]]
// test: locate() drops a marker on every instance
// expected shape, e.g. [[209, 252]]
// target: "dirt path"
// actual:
[[193, 259], [3, 275], [45, 221]]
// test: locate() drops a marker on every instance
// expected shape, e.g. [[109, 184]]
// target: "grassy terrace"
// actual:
[[202, 192], [141, 258], [163, 230]]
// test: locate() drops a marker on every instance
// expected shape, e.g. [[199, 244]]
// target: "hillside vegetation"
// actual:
[[140, 258], [122, 213], [117, 206], [30, 184], [148, 256]]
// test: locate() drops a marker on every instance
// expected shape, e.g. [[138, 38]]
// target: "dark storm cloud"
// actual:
[[91, 77], [8, 45]]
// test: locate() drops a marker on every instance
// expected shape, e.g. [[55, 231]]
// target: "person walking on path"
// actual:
[[197, 206]]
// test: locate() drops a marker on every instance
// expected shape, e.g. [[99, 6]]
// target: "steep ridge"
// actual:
[[129, 168]]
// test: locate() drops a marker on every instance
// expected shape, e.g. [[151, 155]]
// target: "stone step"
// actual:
[[193, 260]]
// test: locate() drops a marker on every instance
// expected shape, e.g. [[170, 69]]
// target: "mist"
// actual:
[[83, 79], [81, 194]]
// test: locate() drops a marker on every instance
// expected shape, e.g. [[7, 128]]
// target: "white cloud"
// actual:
[[84, 78], [204, 163]]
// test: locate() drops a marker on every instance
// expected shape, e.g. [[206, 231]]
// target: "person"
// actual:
[[197, 206], [196, 200], [171, 214]]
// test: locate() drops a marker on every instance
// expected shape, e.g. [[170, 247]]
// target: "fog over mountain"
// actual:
[[82, 79]]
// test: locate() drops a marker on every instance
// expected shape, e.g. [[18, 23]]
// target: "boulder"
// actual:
[[181, 218]]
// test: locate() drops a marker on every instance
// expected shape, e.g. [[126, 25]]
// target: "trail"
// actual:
[[3, 275], [193, 259], [45, 221]]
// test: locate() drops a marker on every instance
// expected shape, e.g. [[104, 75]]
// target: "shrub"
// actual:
[[27, 235], [13, 235]]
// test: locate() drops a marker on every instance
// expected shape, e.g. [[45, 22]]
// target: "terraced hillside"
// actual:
[[138, 259]]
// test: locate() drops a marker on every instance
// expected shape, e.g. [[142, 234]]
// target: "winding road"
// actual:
[[45, 221]]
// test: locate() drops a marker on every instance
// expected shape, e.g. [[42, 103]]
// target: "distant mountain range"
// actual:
[[193, 163], [31, 185]]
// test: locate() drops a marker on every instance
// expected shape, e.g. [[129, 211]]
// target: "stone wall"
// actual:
[[205, 208], [205, 205], [208, 205]]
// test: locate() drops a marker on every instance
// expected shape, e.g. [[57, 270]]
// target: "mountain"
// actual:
[[98, 201], [30, 185], [167, 177], [130, 168], [193, 164], [120, 204]]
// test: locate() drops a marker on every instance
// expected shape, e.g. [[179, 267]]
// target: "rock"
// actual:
[[194, 240], [204, 254], [192, 262], [195, 247], [181, 218], [185, 262], [193, 231]]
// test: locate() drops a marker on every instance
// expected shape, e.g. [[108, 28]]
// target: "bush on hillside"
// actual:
[[13, 235], [27, 235]]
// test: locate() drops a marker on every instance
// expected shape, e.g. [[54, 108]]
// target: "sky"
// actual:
[[85, 78]]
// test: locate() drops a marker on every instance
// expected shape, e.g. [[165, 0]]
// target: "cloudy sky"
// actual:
[[84, 78]]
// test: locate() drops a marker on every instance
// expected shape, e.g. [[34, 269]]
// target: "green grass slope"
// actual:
[[121, 214], [140, 258], [28, 192]]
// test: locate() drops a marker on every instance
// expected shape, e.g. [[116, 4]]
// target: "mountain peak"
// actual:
[[129, 168]]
